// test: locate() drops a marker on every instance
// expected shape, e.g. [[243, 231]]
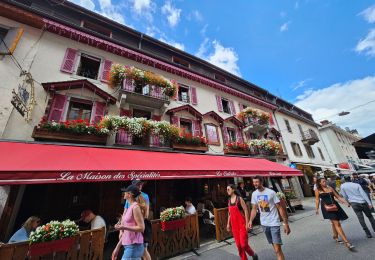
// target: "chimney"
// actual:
[[324, 122]]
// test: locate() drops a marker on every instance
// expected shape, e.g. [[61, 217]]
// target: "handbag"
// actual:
[[331, 207]]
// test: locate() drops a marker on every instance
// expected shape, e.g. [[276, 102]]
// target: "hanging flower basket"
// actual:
[[173, 224], [45, 248]]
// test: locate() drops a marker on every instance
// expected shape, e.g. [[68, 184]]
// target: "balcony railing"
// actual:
[[152, 140], [310, 137]]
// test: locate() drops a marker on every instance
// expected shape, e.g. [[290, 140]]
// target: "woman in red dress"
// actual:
[[238, 218]]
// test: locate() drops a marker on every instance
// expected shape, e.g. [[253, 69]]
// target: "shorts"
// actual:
[[133, 252], [273, 235]]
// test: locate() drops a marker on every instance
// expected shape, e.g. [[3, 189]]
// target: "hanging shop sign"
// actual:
[[23, 99]]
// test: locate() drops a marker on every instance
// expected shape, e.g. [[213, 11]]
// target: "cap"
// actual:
[[133, 189], [137, 182]]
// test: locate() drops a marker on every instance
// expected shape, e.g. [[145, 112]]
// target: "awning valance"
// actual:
[[46, 163]]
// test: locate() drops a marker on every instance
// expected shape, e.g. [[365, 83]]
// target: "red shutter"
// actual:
[[239, 136], [232, 108], [156, 118], [241, 106], [219, 104], [196, 125], [271, 119], [57, 108], [123, 138], [99, 111], [194, 98], [106, 68], [154, 140], [127, 84], [175, 121], [124, 112], [69, 61], [176, 94], [225, 135]]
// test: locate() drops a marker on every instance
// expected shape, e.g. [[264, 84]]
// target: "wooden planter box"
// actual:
[[45, 135], [203, 148], [295, 202], [45, 248], [238, 152], [173, 224]]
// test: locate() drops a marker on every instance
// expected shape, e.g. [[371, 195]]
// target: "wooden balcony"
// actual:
[[40, 134], [310, 137], [142, 95], [190, 148]]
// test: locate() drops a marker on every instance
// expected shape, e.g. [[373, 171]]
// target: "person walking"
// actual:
[[23, 233], [360, 203], [331, 209], [269, 205], [131, 226], [238, 218], [365, 186]]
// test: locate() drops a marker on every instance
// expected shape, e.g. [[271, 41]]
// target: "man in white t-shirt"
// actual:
[[95, 221], [268, 204]]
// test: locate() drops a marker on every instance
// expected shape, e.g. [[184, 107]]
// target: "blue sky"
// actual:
[[319, 55]]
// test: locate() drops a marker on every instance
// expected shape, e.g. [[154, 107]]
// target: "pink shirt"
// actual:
[[128, 220]]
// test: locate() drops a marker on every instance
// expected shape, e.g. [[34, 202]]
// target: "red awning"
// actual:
[[45, 163]]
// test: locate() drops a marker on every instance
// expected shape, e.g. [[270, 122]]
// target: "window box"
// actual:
[[234, 151], [45, 248], [194, 148], [172, 224], [40, 134]]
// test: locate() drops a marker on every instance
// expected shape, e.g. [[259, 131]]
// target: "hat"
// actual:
[[133, 189], [137, 182]]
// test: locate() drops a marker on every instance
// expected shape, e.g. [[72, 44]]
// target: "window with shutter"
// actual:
[[9, 39], [106, 68], [79, 109], [219, 104], [99, 111], [194, 98], [175, 121], [239, 136], [212, 134], [272, 122], [197, 128], [89, 66], [183, 94], [69, 61], [187, 126], [58, 107], [226, 135], [232, 108], [226, 106]]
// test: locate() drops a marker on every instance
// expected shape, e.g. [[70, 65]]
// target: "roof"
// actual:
[[46, 163], [77, 84], [364, 146], [215, 116], [187, 108]]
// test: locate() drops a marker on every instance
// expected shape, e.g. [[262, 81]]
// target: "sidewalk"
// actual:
[[309, 210]]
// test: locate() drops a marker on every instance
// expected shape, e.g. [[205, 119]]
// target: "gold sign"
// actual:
[[24, 98]]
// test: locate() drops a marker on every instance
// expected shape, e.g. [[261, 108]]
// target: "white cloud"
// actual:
[[111, 11], [196, 15], [285, 27], [369, 14], [88, 4], [173, 14], [300, 84], [177, 45], [140, 6], [327, 102], [223, 57], [367, 44]]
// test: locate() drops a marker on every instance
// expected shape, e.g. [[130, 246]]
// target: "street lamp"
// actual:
[[344, 113]]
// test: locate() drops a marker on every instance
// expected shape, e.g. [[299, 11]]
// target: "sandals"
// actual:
[[349, 246], [338, 241]]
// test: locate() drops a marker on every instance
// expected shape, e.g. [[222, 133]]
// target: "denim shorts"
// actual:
[[273, 235], [133, 252]]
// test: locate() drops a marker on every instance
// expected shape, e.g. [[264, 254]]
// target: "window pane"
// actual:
[[186, 126], [225, 104], [212, 135], [232, 135], [183, 94], [88, 67], [79, 110]]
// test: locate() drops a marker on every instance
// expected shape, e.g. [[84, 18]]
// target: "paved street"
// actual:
[[310, 239]]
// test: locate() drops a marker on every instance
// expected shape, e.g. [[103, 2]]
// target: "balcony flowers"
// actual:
[[189, 139], [237, 146], [119, 72], [253, 115], [54, 230], [79, 127], [265, 146], [172, 214]]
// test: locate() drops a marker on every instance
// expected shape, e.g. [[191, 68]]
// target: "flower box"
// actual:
[[40, 134], [235, 151], [194, 148], [172, 224], [45, 248]]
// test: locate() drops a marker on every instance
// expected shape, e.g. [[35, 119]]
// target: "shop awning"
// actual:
[[46, 163]]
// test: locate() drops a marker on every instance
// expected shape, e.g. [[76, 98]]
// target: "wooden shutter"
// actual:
[[98, 112], [154, 140], [239, 137], [156, 118], [225, 135], [219, 104], [127, 84], [123, 138], [57, 109], [176, 94], [106, 68], [69, 61], [194, 98], [125, 112], [11, 40], [196, 126], [232, 108], [175, 121], [241, 106], [272, 122]]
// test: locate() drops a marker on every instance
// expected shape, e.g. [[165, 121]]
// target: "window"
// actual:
[[96, 28], [3, 33], [300, 129], [225, 104], [141, 113], [296, 149], [309, 151], [88, 66], [219, 77], [186, 125], [288, 126], [79, 109], [183, 94], [232, 135], [321, 154], [9, 38], [212, 134], [180, 62], [338, 137]]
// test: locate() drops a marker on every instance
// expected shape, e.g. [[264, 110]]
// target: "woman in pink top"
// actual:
[[132, 226]]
